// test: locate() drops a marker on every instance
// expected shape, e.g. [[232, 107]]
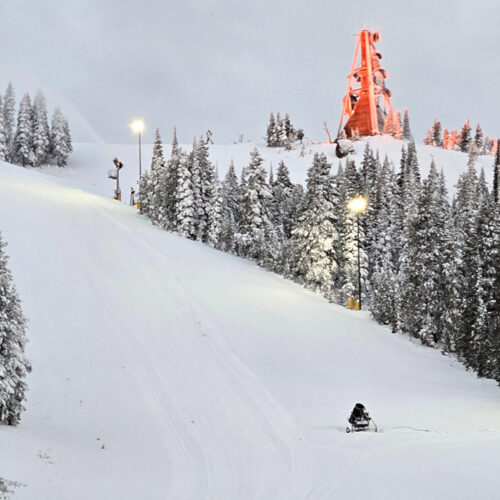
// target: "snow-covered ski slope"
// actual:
[[165, 369]]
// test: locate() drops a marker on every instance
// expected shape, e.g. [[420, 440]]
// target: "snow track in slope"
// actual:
[[212, 421]]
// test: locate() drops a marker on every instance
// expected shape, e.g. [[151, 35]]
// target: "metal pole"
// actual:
[[359, 268], [140, 166], [117, 183]]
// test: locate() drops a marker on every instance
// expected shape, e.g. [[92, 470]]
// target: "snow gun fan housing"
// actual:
[[367, 99]]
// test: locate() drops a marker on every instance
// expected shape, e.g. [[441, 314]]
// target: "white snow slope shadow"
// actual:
[[165, 369]]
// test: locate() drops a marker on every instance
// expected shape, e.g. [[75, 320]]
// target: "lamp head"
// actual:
[[137, 126], [358, 204]]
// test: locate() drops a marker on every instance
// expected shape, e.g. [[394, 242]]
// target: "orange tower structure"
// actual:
[[367, 99]]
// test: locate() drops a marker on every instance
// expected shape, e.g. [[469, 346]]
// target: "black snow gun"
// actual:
[[360, 420], [114, 173]]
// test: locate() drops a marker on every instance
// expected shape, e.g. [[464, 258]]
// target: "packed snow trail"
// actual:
[[165, 369]]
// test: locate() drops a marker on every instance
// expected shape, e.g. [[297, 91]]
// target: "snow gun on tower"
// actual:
[[367, 100]]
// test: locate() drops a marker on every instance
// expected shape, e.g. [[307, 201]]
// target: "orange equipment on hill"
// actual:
[[367, 99]]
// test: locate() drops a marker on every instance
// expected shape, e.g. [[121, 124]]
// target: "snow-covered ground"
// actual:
[[165, 369]]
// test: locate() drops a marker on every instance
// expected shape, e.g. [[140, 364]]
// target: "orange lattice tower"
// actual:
[[367, 99]]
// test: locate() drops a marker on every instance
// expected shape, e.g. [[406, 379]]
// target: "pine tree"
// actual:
[[478, 139], [60, 141], [283, 140], [3, 137], [256, 238], [315, 235], [144, 195], [389, 123], [170, 186], [41, 133], [454, 141], [286, 198], [426, 283], [446, 139], [23, 140], [465, 137], [290, 132], [185, 198], [494, 309], [156, 182], [496, 177], [428, 138], [407, 135], [206, 174], [398, 128], [465, 212], [271, 132], [9, 106], [215, 215], [436, 134], [382, 259], [230, 210], [200, 215], [485, 244], [13, 364]]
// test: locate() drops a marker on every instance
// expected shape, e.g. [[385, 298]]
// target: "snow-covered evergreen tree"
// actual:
[[60, 139], [200, 209], [398, 127], [230, 213], [479, 139], [144, 194], [496, 177], [465, 212], [8, 111], [481, 352], [3, 137], [215, 215], [286, 199], [41, 132], [185, 198], [207, 175], [256, 238], [465, 137], [425, 288], [170, 186], [13, 363], [389, 123], [23, 140], [384, 283], [315, 235], [271, 136], [436, 134], [407, 136], [155, 183]]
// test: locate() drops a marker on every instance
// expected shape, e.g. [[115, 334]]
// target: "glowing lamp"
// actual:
[[137, 126], [358, 205]]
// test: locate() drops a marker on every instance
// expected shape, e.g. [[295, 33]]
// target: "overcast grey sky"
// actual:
[[225, 65]]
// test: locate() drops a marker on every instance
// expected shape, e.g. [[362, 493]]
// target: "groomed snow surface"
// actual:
[[163, 369]]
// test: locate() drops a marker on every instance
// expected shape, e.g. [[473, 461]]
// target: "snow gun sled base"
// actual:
[[360, 420]]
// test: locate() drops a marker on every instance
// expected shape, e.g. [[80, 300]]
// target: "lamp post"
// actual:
[[137, 126], [358, 205]]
